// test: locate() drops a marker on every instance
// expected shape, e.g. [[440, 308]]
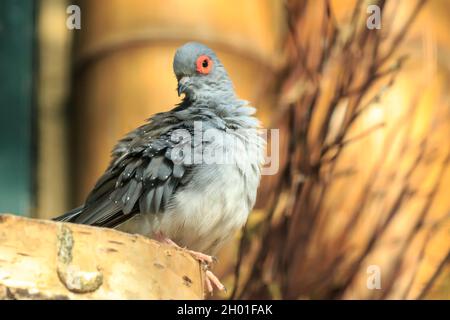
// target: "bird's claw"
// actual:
[[212, 281], [204, 258]]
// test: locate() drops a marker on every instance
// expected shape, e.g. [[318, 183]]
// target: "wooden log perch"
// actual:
[[42, 259]]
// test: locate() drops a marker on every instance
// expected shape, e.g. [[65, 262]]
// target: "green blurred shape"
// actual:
[[16, 105]]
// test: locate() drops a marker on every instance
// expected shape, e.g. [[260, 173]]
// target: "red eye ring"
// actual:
[[204, 64]]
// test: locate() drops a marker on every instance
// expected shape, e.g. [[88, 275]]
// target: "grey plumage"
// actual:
[[153, 185]]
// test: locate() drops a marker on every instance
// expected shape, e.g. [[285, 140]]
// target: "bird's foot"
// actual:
[[211, 280], [200, 256]]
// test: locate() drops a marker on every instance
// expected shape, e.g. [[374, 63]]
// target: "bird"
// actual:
[[187, 177]]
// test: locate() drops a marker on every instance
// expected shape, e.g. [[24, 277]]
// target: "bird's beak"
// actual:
[[182, 85]]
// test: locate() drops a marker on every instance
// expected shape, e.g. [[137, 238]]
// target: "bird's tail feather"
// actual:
[[69, 216]]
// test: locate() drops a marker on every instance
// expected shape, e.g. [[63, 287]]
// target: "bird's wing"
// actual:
[[142, 177]]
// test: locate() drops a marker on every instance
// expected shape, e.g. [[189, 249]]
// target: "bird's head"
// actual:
[[200, 73]]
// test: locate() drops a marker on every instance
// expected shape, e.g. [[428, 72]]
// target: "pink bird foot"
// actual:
[[211, 279]]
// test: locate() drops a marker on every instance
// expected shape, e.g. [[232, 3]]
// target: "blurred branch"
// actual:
[[321, 76], [418, 225], [445, 262]]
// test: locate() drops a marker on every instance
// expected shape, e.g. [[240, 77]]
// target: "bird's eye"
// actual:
[[204, 64]]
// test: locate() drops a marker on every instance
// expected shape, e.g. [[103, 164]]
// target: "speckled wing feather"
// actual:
[[141, 178]]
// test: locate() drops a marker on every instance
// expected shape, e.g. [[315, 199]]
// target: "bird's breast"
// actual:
[[216, 202], [207, 211]]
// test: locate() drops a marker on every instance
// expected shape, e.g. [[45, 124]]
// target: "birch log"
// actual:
[[49, 260]]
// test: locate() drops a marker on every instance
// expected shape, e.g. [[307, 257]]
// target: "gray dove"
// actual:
[[189, 176]]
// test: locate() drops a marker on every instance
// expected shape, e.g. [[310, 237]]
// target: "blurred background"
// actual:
[[364, 119]]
